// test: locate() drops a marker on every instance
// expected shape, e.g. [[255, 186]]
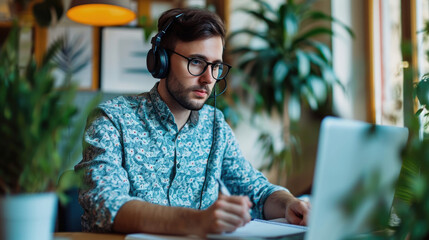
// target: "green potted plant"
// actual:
[[288, 68], [35, 115]]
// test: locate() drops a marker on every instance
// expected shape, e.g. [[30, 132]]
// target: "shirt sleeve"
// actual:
[[106, 181], [242, 178]]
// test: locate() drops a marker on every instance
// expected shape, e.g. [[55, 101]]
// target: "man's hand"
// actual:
[[226, 215], [282, 204], [297, 212]]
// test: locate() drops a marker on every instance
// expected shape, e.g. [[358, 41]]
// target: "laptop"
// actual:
[[356, 168]]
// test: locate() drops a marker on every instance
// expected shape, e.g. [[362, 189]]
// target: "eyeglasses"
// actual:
[[197, 66]]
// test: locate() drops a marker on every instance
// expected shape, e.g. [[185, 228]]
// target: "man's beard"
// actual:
[[180, 94]]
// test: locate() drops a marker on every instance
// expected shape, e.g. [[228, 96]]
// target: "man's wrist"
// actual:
[[276, 204], [194, 222]]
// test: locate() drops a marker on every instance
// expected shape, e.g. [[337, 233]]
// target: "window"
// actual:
[[388, 64]]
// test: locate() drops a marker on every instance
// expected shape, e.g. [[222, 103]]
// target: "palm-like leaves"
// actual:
[[291, 62], [287, 68], [69, 58], [33, 116]]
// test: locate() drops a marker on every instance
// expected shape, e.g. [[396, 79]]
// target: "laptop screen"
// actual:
[[356, 169]]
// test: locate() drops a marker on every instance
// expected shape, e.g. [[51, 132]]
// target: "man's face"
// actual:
[[191, 92]]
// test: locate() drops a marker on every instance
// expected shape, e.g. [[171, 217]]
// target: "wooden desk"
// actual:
[[87, 236]]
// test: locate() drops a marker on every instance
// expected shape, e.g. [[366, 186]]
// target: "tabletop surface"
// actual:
[[87, 236]]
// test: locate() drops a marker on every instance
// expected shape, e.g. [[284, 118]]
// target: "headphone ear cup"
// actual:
[[151, 63], [164, 64], [157, 63]]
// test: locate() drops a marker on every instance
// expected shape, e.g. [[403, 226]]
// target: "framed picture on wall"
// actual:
[[76, 54], [123, 61]]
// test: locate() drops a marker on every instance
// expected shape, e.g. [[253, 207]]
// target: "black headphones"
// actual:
[[157, 58]]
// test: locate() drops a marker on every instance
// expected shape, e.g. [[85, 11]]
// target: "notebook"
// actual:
[[260, 229], [350, 155]]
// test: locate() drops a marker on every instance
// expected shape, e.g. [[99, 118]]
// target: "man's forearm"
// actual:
[[139, 216], [275, 205]]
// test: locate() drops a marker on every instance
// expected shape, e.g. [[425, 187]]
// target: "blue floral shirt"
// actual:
[[134, 151]]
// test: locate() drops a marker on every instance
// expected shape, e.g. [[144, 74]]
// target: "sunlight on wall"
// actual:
[[349, 59], [389, 88]]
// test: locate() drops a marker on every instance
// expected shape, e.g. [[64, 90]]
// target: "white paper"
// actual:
[[255, 229], [144, 236], [261, 229]]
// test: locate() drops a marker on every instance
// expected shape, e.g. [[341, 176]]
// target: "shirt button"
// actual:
[[178, 165]]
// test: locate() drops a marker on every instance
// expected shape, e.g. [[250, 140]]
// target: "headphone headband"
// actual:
[[157, 58], [156, 40]]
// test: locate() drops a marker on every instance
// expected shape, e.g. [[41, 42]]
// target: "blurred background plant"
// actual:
[[422, 94], [36, 113], [288, 68], [45, 12]]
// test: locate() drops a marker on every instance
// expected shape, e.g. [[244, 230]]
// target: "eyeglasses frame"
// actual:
[[205, 68]]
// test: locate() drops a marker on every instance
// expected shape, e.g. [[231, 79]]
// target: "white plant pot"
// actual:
[[28, 216]]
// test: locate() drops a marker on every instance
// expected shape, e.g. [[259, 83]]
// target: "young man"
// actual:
[[152, 161]]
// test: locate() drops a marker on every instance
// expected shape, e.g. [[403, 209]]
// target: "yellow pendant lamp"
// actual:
[[101, 12]]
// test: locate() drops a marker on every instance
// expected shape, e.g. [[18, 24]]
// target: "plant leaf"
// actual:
[[318, 88], [303, 64], [294, 108], [316, 15], [280, 72], [303, 37]]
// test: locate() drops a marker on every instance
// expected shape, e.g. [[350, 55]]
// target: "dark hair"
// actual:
[[194, 24]]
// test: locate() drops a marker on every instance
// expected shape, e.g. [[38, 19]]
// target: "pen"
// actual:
[[224, 191], [223, 188]]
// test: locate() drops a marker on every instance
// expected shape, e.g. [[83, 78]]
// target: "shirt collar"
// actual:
[[164, 112]]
